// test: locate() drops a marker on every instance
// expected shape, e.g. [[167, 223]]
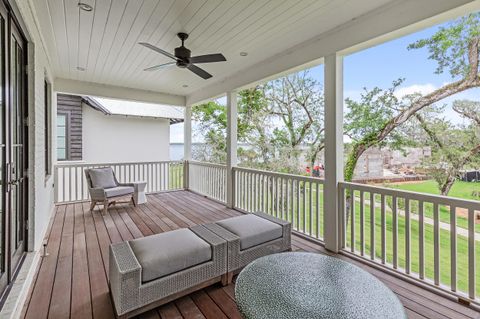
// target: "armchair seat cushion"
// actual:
[[118, 191], [170, 252], [252, 229], [102, 177]]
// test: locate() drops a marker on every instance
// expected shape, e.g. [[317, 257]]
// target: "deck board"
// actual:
[[73, 280]]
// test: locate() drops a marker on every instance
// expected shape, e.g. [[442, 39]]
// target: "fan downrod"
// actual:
[[183, 36]]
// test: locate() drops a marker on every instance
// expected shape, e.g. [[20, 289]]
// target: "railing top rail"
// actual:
[[438, 199], [77, 164], [207, 164], [284, 175]]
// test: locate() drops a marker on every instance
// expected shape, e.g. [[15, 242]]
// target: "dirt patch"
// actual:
[[463, 212]]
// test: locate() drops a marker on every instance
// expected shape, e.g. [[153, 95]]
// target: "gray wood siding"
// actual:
[[72, 106]]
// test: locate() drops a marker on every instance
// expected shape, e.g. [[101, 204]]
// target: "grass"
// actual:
[[175, 178], [445, 261], [308, 219], [460, 189]]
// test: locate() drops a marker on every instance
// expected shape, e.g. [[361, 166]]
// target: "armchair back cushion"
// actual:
[[102, 177]]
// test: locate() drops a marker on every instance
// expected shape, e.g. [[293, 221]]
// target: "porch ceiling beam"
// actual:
[[388, 22], [116, 92]]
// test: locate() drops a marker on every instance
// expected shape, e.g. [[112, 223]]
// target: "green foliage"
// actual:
[[274, 120], [453, 146], [379, 118], [449, 45]]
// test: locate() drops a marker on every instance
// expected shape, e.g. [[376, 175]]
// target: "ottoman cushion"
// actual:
[[169, 252], [252, 229]]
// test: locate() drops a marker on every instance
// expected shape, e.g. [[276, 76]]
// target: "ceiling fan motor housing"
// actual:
[[183, 54]]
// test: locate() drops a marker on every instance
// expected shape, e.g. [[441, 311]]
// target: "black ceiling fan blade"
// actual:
[[200, 72], [156, 49], [208, 58], [160, 66]]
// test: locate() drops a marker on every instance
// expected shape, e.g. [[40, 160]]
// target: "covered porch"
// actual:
[[72, 280], [415, 243]]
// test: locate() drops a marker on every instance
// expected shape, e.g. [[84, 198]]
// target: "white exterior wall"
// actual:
[[40, 186], [114, 138]]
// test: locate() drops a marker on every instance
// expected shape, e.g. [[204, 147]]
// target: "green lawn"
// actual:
[[460, 189], [175, 178], [309, 220], [305, 220]]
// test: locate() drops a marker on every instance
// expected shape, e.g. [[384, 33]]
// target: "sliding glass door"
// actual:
[[13, 147], [16, 147], [3, 103]]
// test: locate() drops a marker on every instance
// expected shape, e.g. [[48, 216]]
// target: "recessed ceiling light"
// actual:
[[184, 86], [243, 53], [85, 6], [79, 68]]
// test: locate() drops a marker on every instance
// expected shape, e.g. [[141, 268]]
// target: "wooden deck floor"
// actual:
[[72, 281]]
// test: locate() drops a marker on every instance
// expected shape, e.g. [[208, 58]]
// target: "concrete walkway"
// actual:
[[445, 226]]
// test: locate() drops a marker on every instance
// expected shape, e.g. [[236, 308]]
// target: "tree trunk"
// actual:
[[447, 185], [376, 137]]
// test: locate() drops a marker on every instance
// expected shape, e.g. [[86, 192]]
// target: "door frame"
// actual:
[[13, 263], [15, 257], [4, 270]]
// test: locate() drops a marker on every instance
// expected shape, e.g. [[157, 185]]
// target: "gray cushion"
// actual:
[[252, 230], [102, 177], [169, 252], [118, 191]]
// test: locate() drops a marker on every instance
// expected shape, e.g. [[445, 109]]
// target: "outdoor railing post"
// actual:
[[333, 151], [186, 175], [187, 145], [231, 145], [55, 183]]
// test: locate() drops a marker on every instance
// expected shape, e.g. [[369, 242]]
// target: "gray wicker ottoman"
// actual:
[[151, 271], [252, 236]]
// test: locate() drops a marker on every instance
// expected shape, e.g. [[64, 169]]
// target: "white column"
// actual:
[[333, 150], [187, 144], [231, 145]]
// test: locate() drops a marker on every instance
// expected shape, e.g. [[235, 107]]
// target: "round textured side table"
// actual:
[[306, 285]]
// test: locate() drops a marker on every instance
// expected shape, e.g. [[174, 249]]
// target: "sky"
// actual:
[[380, 66]]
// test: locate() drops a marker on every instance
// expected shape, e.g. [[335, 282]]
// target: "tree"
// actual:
[[211, 118], [455, 48], [274, 120], [297, 102], [454, 146]]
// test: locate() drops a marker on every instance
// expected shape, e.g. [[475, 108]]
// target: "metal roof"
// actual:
[[137, 109]]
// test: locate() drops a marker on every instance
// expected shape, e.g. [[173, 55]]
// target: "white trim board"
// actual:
[[116, 92]]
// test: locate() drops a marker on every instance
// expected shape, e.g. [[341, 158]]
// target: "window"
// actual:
[[48, 156], [62, 150]]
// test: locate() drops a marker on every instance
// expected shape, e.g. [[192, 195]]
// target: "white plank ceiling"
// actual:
[[105, 41]]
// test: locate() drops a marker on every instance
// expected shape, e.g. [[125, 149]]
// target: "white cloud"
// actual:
[[415, 88]]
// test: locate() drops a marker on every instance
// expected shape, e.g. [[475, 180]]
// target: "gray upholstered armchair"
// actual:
[[105, 189]]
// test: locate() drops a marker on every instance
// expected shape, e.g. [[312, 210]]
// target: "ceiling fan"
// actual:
[[183, 58]]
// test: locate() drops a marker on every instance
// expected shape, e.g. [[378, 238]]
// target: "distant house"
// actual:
[[96, 130]]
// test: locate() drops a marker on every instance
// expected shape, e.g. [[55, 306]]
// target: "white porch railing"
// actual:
[[71, 184], [208, 179], [297, 199], [431, 239], [427, 237]]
